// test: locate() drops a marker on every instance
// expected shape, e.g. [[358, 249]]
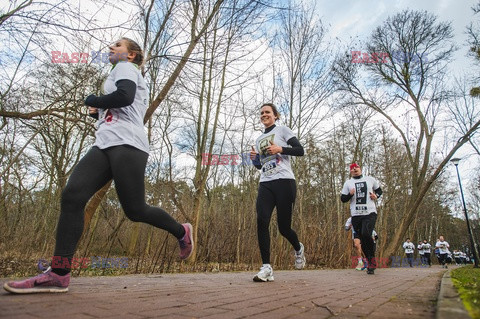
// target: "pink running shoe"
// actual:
[[45, 282], [186, 243]]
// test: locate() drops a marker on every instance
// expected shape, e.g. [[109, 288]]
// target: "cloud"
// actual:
[[354, 18]]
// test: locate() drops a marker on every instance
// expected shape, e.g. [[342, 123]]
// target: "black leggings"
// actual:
[[364, 225], [126, 166], [410, 259], [442, 259], [281, 194], [426, 257]]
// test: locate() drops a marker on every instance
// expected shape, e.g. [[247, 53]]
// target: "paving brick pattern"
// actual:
[[344, 293]]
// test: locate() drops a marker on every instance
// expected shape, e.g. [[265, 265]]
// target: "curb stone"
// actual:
[[449, 305]]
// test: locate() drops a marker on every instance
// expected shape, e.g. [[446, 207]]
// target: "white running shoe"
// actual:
[[300, 258], [265, 274], [360, 265]]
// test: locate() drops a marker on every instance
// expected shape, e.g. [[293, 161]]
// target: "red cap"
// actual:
[[353, 165]]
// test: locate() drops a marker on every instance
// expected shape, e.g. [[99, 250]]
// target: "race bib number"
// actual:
[[361, 209], [269, 168]]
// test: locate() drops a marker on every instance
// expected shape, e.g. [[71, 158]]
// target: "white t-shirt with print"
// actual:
[[443, 247], [274, 166], [420, 249], [409, 247], [426, 247], [124, 126], [361, 203]]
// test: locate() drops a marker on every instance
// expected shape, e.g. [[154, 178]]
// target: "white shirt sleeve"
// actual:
[[345, 190], [287, 133]]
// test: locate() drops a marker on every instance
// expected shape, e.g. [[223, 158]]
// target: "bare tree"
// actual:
[[464, 112], [199, 25], [217, 80], [12, 11], [303, 78]]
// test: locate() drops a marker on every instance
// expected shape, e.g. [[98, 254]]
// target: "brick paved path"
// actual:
[[345, 293]]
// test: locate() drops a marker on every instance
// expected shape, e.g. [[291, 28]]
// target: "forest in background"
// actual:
[[210, 65]]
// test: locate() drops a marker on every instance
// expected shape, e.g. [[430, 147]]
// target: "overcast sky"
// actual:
[[350, 18]]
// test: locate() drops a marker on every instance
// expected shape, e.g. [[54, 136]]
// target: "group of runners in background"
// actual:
[[442, 252]]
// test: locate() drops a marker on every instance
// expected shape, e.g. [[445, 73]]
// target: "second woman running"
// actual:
[[277, 187]]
